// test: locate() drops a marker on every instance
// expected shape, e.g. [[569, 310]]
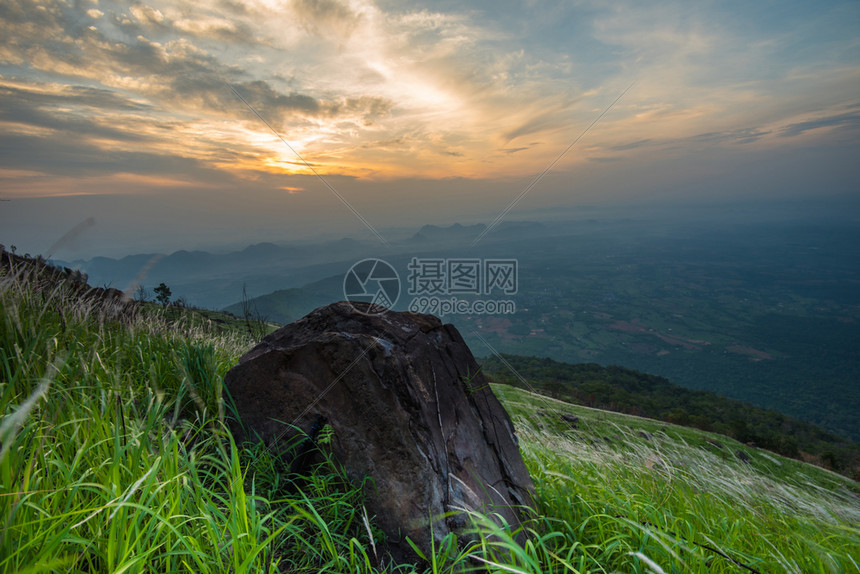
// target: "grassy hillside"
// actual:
[[628, 391], [704, 502], [115, 458]]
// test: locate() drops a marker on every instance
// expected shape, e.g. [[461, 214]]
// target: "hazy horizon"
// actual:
[[88, 238]]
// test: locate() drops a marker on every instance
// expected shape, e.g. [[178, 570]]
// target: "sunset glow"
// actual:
[[108, 97]]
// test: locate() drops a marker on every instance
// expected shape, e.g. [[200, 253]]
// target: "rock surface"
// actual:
[[408, 406], [572, 420]]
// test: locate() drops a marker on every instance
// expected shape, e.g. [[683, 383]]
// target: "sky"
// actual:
[[163, 125]]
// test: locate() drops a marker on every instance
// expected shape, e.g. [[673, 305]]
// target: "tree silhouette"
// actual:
[[162, 294], [140, 294]]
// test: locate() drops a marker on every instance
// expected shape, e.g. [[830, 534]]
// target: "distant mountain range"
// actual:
[[216, 280]]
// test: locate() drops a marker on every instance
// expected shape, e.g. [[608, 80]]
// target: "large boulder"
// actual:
[[409, 408]]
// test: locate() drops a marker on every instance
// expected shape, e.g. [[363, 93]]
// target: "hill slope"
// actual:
[[724, 502], [628, 391]]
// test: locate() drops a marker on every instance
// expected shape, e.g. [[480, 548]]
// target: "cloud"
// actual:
[[274, 105], [171, 78], [35, 95], [175, 71], [740, 135], [328, 17], [33, 117], [539, 123], [631, 145], [850, 119], [410, 76], [200, 24], [146, 15], [70, 156]]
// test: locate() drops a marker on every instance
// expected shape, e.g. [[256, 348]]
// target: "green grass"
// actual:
[[115, 458], [667, 492]]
